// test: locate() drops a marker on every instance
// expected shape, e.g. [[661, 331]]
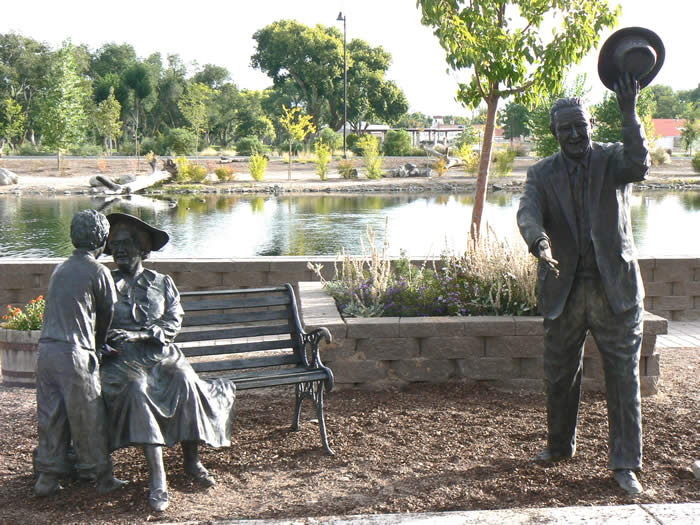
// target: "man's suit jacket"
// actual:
[[547, 212]]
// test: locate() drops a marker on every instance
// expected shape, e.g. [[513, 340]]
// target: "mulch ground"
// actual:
[[427, 448]]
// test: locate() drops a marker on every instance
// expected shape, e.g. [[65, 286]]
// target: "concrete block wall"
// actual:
[[505, 352], [672, 284]]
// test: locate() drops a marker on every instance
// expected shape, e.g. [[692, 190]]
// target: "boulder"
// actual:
[[211, 178], [7, 178]]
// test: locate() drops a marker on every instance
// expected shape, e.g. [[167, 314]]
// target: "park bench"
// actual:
[[254, 337]]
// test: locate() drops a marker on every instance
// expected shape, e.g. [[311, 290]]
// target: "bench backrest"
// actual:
[[229, 330]]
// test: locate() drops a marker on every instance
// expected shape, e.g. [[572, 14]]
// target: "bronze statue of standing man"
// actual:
[[575, 217]]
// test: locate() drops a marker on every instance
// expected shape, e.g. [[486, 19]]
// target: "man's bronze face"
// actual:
[[572, 128]]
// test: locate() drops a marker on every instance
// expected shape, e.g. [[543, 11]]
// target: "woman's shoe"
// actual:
[[158, 499]]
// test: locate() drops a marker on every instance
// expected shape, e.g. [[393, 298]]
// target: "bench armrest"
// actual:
[[313, 338]]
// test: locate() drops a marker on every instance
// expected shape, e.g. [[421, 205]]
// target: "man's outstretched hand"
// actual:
[[545, 255]]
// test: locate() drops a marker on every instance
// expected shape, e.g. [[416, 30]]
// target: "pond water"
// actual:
[[215, 226]]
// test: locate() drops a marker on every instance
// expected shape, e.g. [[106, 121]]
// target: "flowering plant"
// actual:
[[29, 318]]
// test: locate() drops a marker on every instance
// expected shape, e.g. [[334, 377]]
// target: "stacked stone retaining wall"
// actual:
[[672, 284], [505, 352]]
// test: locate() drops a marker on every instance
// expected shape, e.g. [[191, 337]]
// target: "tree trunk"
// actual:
[[289, 171], [482, 179]]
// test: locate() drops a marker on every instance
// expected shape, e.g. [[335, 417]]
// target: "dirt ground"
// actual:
[[427, 448]]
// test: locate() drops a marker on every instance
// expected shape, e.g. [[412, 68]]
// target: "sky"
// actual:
[[220, 32]]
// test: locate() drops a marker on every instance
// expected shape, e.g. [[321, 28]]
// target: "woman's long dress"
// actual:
[[153, 395]]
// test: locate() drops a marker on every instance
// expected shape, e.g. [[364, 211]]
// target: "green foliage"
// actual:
[[696, 162], [414, 120], [12, 121], [608, 117], [106, 119], [490, 278], [347, 169], [298, 125], [323, 157], [514, 120], [29, 318], [225, 173], [510, 51], [258, 165], [189, 172], [308, 63], [369, 146], [63, 104], [690, 131], [181, 141], [667, 103], [503, 161], [468, 137], [470, 158], [249, 146], [332, 139], [397, 143], [351, 142], [194, 108]]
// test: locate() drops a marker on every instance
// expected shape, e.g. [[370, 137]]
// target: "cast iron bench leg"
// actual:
[[314, 391]]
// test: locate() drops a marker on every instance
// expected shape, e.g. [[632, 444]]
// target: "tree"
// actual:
[[414, 120], [298, 126], [311, 60], [194, 107], [138, 80], [63, 104], [107, 121], [500, 42], [12, 120], [514, 120], [690, 132], [668, 104]]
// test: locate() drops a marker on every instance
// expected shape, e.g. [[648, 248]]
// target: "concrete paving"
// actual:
[[657, 514], [681, 334]]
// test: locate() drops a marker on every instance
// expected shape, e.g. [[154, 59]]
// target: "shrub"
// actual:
[[225, 173], [158, 145], [397, 143], [87, 150], [189, 172], [440, 166], [490, 278], [696, 162], [470, 158], [27, 148], [351, 143], [258, 165], [297, 147], [29, 318], [503, 161], [418, 152], [659, 156], [369, 146], [181, 141], [323, 157], [249, 146], [330, 138], [347, 170]]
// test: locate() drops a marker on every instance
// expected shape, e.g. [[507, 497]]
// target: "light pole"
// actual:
[[342, 17]]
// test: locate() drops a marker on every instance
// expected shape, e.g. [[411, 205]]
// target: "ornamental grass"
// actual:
[[489, 278]]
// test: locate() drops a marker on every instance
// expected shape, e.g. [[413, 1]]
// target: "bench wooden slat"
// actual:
[[244, 302], [233, 333], [236, 291], [260, 382], [237, 364], [237, 348], [237, 317]]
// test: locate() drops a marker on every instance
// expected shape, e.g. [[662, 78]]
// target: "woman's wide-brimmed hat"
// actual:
[[159, 238], [634, 50]]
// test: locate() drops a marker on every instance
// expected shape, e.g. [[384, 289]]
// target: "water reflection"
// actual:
[[244, 226]]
